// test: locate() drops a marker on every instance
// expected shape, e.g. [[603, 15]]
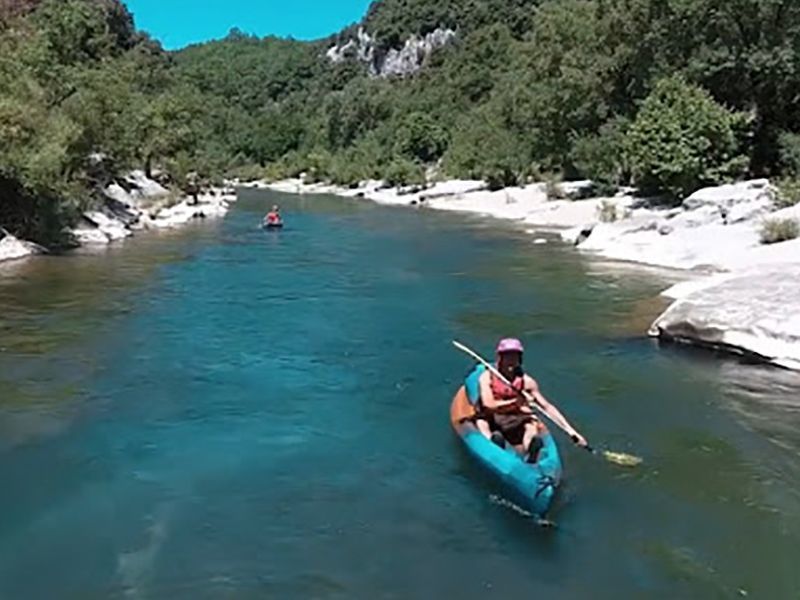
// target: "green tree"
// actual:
[[483, 149], [789, 144], [402, 172], [168, 125], [601, 156], [682, 140], [421, 138]]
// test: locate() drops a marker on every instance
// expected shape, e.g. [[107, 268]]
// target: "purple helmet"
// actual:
[[510, 345]]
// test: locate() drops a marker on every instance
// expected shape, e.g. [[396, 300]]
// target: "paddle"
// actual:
[[619, 458]]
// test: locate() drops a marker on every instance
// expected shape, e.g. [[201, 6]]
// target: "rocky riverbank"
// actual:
[[741, 295], [131, 205]]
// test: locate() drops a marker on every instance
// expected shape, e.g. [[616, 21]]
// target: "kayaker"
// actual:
[[504, 415], [273, 217]]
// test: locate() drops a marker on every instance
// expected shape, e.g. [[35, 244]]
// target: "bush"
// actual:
[[356, 164], [349, 172], [421, 138], [779, 230], [250, 173], [290, 166], [483, 149], [788, 192], [402, 172], [789, 148], [607, 212], [498, 177], [683, 140], [553, 189], [318, 166], [600, 157]]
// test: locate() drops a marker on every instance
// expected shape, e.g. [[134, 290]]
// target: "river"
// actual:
[[226, 412]]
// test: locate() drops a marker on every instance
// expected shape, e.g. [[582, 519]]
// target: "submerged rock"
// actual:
[[754, 313]]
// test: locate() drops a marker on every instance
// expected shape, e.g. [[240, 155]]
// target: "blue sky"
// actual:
[[177, 23]]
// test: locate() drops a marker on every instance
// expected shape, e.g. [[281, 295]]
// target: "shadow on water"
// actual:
[[228, 412]]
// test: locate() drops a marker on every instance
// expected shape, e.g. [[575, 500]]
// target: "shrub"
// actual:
[[607, 212], [779, 230], [318, 166], [499, 176], [482, 148], [348, 171], [789, 148], [682, 140], [788, 192], [421, 138], [401, 172], [553, 189], [249, 173], [600, 156]]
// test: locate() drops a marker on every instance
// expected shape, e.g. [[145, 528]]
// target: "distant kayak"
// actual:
[[268, 226], [532, 485]]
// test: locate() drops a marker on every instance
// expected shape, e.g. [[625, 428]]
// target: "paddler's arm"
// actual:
[[553, 413]]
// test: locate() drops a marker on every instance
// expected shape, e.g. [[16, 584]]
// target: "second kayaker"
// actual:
[[273, 217], [503, 414]]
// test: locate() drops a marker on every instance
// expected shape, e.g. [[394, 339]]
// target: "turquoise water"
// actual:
[[223, 412]]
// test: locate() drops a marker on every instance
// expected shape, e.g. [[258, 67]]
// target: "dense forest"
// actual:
[[667, 95]]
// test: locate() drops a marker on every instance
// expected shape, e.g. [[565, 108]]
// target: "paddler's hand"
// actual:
[[579, 440]]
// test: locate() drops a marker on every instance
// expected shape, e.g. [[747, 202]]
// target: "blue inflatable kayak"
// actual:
[[531, 485]]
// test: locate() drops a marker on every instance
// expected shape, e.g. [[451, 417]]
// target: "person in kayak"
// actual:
[[273, 217], [504, 415]]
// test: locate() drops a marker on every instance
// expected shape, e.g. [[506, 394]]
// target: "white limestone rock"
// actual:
[[138, 190], [113, 228], [90, 235], [403, 61], [184, 212], [728, 196], [755, 312], [146, 187], [736, 202], [412, 56], [12, 248], [577, 235], [702, 215]]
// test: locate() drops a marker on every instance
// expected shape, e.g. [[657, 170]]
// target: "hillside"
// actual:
[[523, 89], [83, 97], [668, 96]]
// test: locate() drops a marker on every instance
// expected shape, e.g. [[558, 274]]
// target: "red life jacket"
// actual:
[[501, 391], [273, 218]]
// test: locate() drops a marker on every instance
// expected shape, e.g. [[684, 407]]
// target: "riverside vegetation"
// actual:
[[666, 95]]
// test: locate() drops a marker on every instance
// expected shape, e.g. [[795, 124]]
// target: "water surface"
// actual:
[[224, 412]]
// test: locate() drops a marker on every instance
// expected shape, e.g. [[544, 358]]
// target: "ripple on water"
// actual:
[[220, 412]]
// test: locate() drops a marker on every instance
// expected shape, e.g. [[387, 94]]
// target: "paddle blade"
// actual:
[[622, 459]]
